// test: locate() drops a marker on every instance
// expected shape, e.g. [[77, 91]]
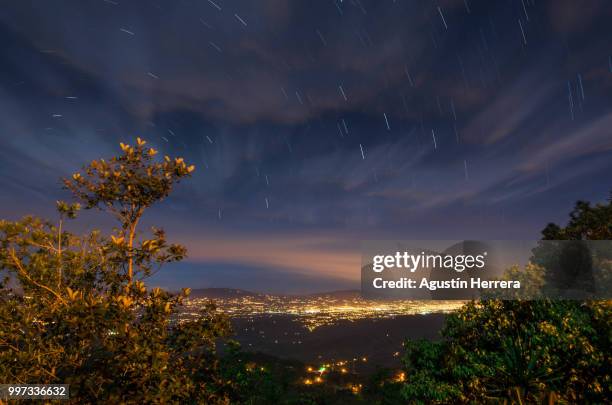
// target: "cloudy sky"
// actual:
[[314, 125]]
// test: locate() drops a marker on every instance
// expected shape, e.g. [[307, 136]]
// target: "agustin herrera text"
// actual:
[[457, 283]]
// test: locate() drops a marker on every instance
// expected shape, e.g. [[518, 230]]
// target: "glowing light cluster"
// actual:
[[317, 311]]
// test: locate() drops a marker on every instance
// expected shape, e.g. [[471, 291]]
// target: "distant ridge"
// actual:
[[221, 293], [237, 292]]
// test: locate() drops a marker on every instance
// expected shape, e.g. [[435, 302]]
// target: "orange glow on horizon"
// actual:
[[299, 254]]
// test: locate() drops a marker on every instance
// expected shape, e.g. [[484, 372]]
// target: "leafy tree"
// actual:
[[523, 351], [75, 309], [578, 264], [428, 381], [126, 186], [587, 222], [527, 350]]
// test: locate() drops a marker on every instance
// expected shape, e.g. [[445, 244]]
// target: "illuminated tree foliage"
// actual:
[[75, 309], [522, 351], [126, 186], [530, 351]]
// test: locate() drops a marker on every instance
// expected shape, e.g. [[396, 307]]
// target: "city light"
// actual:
[[316, 311]]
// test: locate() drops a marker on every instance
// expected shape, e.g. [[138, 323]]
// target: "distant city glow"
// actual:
[[319, 310]]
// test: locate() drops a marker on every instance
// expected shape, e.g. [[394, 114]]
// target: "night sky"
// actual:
[[313, 124]]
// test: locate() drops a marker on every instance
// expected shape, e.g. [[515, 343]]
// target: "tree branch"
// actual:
[[24, 273], [5, 343]]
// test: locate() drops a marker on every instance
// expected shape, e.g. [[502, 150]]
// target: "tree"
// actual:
[[571, 255], [76, 309], [126, 186], [587, 222], [525, 351]]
